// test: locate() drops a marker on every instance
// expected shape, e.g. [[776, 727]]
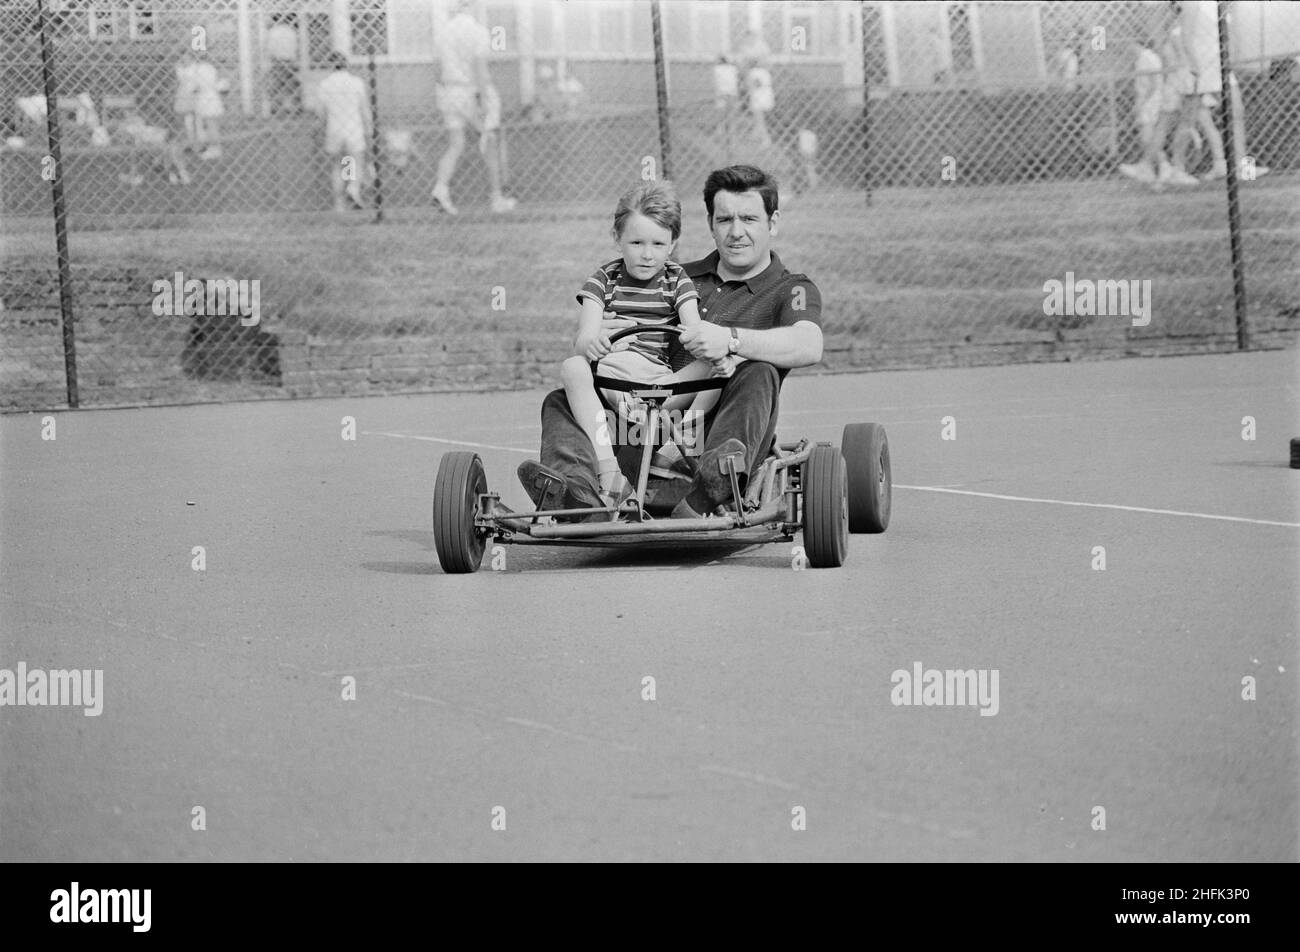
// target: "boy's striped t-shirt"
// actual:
[[647, 302]]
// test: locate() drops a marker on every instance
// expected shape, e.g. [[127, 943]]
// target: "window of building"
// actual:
[[369, 23], [103, 22], [144, 26], [876, 66], [959, 36]]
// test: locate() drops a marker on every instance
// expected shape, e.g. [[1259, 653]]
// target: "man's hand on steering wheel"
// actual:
[[706, 341]]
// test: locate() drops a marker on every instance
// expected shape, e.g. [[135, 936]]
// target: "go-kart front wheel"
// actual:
[[825, 508], [455, 501], [866, 454]]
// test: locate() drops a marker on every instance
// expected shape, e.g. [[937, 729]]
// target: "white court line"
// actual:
[[435, 439], [1100, 505]]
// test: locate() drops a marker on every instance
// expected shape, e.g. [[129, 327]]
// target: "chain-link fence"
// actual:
[[290, 197]]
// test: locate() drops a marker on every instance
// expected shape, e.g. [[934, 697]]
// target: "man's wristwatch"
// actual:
[[733, 345]]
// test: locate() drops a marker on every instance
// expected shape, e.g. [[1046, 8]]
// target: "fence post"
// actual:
[[376, 149], [60, 209], [1234, 210], [866, 101], [661, 91]]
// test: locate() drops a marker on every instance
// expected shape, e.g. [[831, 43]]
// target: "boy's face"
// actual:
[[645, 245]]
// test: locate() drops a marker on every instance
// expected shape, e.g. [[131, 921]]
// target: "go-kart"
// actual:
[[826, 491]]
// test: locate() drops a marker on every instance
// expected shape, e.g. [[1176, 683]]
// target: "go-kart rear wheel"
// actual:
[[455, 501], [825, 508], [866, 456]]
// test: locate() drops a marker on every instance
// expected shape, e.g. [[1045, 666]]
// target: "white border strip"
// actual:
[[1100, 505]]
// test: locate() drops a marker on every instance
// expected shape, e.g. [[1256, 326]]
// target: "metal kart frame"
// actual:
[[814, 487]]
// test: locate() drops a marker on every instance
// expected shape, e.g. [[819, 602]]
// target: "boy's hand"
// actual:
[[594, 346]]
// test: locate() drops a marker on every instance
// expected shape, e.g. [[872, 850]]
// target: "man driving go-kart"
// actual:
[[752, 307]]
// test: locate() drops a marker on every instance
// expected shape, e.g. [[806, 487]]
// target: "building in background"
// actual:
[[539, 46]]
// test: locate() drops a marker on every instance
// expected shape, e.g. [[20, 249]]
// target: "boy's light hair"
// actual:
[[655, 200]]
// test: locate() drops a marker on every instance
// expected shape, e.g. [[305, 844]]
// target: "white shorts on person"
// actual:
[[345, 101], [759, 84], [460, 106], [345, 141], [1177, 84]]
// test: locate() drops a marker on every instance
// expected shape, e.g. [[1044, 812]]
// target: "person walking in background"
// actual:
[[467, 97], [187, 91], [283, 88], [1065, 64], [208, 107], [1177, 83], [754, 59], [345, 102], [1148, 87], [1199, 24], [726, 99]]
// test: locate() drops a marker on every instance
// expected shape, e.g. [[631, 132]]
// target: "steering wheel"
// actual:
[[681, 386]]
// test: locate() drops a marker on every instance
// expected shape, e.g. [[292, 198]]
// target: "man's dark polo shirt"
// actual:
[[774, 297]]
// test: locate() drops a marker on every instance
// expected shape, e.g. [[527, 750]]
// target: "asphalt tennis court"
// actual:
[[518, 696]]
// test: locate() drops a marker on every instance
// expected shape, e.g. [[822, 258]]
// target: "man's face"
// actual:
[[741, 230]]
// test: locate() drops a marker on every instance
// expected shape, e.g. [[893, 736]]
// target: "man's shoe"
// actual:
[[545, 487], [712, 486], [549, 490], [503, 204], [1180, 177]]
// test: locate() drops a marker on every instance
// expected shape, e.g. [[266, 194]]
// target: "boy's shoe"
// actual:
[[616, 495], [1179, 177], [668, 465], [503, 203], [442, 197]]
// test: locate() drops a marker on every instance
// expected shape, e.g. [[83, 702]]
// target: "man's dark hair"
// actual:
[[741, 178]]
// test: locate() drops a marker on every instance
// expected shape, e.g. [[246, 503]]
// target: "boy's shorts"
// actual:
[[460, 107], [636, 366]]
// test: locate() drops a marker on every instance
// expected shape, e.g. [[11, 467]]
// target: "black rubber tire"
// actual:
[[455, 501], [866, 454], [825, 508]]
